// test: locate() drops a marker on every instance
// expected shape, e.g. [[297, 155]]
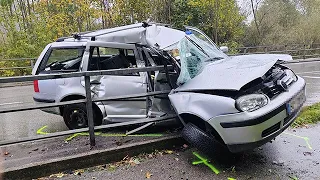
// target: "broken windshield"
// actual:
[[194, 53]]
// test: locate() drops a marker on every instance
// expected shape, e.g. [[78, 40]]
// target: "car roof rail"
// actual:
[[60, 39], [80, 35]]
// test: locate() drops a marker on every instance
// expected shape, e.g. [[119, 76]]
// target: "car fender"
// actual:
[[73, 87], [205, 106]]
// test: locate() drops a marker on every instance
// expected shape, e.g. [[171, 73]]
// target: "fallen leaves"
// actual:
[[134, 161], [148, 175], [59, 175], [78, 172]]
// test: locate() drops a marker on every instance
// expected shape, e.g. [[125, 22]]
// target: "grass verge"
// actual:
[[308, 115]]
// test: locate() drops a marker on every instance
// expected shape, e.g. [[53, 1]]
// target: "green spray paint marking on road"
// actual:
[[229, 178], [306, 139], [40, 131], [205, 162], [112, 135]]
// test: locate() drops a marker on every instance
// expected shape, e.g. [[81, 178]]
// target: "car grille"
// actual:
[[275, 82], [271, 130]]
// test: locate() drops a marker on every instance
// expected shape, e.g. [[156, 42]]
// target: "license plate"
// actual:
[[295, 103]]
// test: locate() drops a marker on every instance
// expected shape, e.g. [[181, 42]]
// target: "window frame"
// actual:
[[127, 47], [45, 59]]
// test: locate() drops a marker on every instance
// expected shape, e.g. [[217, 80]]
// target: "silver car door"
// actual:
[[118, 85]]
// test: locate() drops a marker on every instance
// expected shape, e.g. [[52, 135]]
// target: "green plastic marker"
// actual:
[[306, 139], [204, 161], [40, 131]]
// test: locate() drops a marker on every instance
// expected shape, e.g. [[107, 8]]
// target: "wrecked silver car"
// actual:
[[240, 101]]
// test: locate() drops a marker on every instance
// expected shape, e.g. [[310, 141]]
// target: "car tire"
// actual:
[[198, 138], [75, 116]]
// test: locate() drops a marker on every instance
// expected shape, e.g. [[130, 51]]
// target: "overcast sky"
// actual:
[[245, 6]]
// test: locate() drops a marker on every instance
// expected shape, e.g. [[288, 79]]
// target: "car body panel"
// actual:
[[252, 133], [118, 86], [225, 74], [202, 105]]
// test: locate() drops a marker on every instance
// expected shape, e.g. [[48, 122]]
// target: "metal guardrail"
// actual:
[[88, 101], [297, 51], [31, 62]]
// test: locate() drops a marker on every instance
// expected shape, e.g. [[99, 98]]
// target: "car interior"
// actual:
[[114, 61]]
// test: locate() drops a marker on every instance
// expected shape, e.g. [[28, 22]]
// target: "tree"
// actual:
[[220, 19]]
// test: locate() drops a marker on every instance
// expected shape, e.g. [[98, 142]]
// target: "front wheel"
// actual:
[[198, 138], [75, 116]]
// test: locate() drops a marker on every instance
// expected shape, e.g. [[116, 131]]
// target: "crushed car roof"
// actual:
[[154, 35]]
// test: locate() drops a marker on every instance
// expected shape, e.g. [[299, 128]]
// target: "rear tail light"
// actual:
[[36, 86]]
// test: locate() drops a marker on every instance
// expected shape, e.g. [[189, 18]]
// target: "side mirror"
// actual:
[[224, 49]]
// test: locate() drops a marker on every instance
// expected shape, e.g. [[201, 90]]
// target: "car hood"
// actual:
[[232, 73]]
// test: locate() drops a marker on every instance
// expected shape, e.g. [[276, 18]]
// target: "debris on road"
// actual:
[[279, 163], [148, 175], [205, 162]]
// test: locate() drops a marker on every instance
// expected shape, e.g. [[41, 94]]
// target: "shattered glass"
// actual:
[[194, 54]]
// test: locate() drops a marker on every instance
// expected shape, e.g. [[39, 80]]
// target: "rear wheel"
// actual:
[[75, 116]]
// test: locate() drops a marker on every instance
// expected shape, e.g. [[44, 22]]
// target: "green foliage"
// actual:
[[26, 27], [219, 19], [308, 115], [285, 22]]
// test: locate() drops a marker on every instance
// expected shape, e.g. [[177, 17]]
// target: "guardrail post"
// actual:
[[286, 48], [89, 110], [304, 51], [32, 63]]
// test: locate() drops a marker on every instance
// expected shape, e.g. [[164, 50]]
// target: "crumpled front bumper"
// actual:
[[248, 130]]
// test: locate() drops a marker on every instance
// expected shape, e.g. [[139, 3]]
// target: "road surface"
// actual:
[[289, 157], [22, 124]]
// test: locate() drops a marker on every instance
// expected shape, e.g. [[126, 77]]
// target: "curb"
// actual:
[[90, 158]]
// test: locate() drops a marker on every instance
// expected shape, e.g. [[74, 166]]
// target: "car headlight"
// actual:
[[251, 102], [291, 74]]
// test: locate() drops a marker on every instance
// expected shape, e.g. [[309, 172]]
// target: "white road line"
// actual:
[[311, 77], [4, 104], [307, 72]]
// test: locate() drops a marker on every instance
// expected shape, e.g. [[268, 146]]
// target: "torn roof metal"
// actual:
[[155, 35]]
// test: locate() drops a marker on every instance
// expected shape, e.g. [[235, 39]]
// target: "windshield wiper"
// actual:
[[214, 59]]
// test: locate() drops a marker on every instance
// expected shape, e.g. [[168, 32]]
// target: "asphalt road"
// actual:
[[25, 123], [22, 124], [293, 155]]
